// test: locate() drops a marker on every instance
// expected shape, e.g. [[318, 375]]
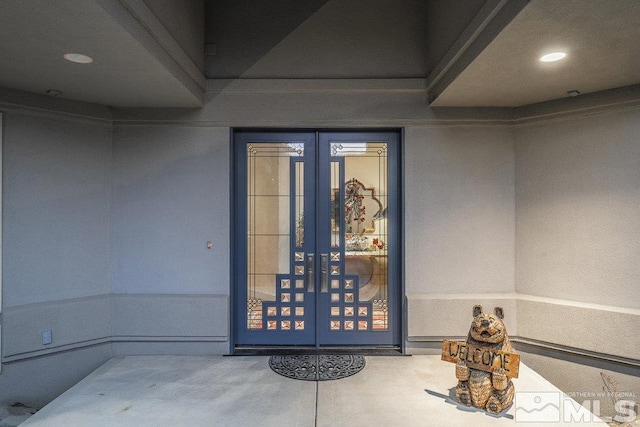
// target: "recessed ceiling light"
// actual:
[[78, 58], [553, 56]]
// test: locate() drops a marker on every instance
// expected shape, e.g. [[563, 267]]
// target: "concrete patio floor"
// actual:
[[243, 391]]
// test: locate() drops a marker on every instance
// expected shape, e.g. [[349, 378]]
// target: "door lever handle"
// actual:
[[309, 271], [324, 273]]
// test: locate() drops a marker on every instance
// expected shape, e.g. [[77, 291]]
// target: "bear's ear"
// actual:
[[499, 312], [477, 310]]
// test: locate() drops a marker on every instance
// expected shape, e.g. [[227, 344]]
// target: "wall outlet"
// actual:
[[46, 337]]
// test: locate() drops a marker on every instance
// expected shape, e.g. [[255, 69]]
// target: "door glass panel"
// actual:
[[299, 203], [271, 269], [359, 201]]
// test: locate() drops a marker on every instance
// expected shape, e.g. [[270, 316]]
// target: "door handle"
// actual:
[[311, 285], [324, 273]]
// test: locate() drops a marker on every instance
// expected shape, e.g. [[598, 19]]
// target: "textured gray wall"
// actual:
[[56, 251], [578, 204], [459, 210], [577, 232], [459, 219], [170, 196], [57, 189]]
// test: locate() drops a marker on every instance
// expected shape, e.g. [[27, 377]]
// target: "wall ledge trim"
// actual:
[[55, 349], [153, 338], [541, 345], [579, 304], [608, 101], [315, 85], [526, 335], [61, 301]]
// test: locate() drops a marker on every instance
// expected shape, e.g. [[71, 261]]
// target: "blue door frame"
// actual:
[[299, 311]]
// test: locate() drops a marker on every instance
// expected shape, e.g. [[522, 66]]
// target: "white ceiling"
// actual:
[[601, 39], [136, 62], [34, 34]]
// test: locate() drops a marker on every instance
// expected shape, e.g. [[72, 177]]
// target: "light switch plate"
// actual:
[[46, 337]]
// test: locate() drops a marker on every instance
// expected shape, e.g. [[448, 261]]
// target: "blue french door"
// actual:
[[316, 238]]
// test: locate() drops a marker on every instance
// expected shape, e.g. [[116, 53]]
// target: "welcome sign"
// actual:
[[483, 358]]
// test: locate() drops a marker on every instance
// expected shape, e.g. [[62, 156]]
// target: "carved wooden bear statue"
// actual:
[[490, 391]]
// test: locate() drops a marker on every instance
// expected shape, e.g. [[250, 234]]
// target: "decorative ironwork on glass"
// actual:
[[380, 315], [254, 314]]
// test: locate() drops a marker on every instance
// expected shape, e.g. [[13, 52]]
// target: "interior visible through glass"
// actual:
[[269, 174], [359, 211]]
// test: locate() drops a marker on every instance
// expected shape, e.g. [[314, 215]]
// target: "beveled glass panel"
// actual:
[[299, 204], [270, 254], [299, 311], [268, 215], [335, 284], [335, 311], [363, 325], [299, 284], [299, 297], [363, 211], [299, 325], [265, 211], [285, 297], [349, 311], [380, 315], [299, 270], [285, 325], [285, 311], [334, 324], [336, 204], [348, 325], [299, 256], [335, 270], [335, 297], [335, 256]]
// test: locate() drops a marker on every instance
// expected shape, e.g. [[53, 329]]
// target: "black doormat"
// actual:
[[317, 367]]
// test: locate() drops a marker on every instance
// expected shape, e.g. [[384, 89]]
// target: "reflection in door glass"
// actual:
[[271, 293], [359, 200]]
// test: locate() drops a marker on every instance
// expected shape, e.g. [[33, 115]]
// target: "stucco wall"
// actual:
[[170, 197], [578, 204], [56, 256], [459, 221], [577, 232]]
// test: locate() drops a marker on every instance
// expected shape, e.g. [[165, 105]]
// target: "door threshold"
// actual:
[[301, 350]]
